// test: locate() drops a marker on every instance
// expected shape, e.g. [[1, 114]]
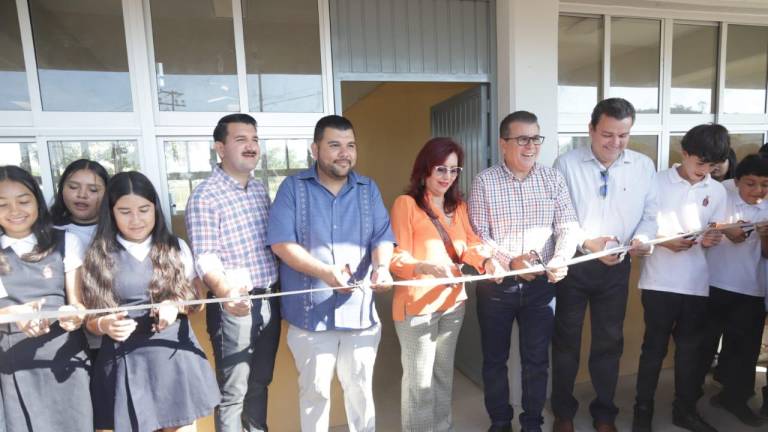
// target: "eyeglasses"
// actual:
[[443, 170], [523, 140], [604, 186]]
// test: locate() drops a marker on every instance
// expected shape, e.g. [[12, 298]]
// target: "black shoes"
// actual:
[[641, 422], [740, 410], [690, 420], [500, 428]]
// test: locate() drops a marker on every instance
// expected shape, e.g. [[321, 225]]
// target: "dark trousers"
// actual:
[[604, 289], [740, 319], [244, 349], [684, 317], [498, 306]]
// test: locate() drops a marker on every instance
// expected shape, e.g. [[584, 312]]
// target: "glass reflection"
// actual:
[[745, 69], [635, 53], [694, 69], [579, 63], [81, 56], [14, 93], [194, 55], [282, 49]]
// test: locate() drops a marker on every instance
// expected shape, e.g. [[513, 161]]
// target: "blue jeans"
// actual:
[[244, 349], [498, 306]]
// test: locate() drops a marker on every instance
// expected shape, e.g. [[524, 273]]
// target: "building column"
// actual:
[[526, 49]]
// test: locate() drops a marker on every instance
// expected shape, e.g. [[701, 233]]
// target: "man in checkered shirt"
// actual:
[[226, 220], [524, 211]]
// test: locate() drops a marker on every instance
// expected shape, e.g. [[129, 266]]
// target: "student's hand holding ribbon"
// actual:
[[117, 325], [638, 248], [33, 327], [711, 238], [166, 313], [762, 229], [72, 322], [735, 234], [679, 244]]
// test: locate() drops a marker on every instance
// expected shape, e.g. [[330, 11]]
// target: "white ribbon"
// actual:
[[55, 314]]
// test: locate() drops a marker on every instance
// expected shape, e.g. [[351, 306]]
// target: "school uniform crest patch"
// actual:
[[47, 272], [706, 201]]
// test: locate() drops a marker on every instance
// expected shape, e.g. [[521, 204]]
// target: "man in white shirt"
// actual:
[[614, 194], [675, 278], [736, 295]]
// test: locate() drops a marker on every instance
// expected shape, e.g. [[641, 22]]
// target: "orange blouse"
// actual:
[[418, 240]]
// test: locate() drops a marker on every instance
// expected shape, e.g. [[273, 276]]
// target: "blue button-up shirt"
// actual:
[[339, 230]]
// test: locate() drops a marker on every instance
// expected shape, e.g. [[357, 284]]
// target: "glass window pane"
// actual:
[[745, 69], [282, 55], [21, 154], [694, 69], [566, 143], [14, 94], [635, 48], [194, 55], [742, 145], [116, 156], [276, 156], [579, 61], [647, 145], [81, 57], [298, 154]]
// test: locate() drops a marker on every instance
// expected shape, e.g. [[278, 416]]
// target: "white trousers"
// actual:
[[352, 354]]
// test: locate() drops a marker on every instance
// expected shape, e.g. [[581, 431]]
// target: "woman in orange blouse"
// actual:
[[428, 319]]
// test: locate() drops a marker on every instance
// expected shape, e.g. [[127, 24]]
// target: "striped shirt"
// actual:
[[516, 216], [227, 227]]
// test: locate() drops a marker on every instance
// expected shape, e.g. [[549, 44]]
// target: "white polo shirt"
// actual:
[[734, 266], [628, 209], [682, 207]]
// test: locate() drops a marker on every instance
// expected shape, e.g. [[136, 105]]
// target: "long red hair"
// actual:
[[434, 153]]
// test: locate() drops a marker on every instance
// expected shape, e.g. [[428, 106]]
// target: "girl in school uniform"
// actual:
[[43, 364], [76, 210], [78, 198], [151, 373]]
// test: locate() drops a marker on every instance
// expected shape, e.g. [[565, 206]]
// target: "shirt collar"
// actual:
[[311, 173], [509, 172], [219, 172], [675, 177], [7, 241], [625, 157], [138, 250]]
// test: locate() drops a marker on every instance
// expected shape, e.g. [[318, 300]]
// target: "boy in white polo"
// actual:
[[736, 298], [675, 281]]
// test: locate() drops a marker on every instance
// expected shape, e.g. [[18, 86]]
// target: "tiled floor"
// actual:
[[469, 414]]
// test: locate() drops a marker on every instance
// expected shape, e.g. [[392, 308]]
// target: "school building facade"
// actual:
[[140, 84]]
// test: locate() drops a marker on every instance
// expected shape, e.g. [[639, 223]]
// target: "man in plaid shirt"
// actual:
[[226, 220], [524, 211]]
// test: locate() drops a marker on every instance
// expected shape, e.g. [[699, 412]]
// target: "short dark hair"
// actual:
[[753, 164], [220, 131], [331, 121], [618, 108], [516, 117], [709, 142], [763, 150]]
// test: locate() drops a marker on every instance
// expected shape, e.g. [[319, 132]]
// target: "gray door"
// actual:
[[465, 118]]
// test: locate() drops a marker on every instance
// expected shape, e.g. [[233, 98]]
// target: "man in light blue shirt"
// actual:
[[329, 227]]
